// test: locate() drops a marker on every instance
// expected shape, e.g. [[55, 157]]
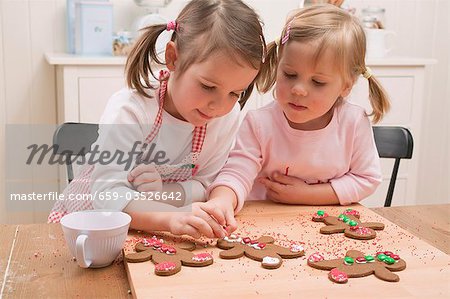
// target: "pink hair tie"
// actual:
[[286, 35], [172, 25]]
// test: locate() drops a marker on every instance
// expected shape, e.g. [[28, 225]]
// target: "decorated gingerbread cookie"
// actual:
[[262, 250], [356, 264], [348, 223], [168, 258]]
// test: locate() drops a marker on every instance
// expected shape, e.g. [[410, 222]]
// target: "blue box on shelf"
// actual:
[[90, 27]]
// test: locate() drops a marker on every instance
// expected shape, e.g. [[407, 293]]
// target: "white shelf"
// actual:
[[71, 59]]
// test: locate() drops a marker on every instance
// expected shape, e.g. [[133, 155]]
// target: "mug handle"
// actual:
[[391, 33], [80, 252]]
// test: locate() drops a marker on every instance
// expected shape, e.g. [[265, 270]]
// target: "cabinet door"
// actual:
[[400, 84]]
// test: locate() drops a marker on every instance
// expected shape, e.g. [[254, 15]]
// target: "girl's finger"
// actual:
[[189, 230], [146, 178], [217, 214], [231, 222], [140, 169], [201, 226]]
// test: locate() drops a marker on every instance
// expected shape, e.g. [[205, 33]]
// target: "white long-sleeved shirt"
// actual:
[[128, 118], [343, 153]]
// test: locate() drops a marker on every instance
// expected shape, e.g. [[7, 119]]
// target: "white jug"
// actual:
[[377, 44]]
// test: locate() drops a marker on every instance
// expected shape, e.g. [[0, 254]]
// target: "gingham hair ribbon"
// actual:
[[172, 25], [286, 35], [367, 73]]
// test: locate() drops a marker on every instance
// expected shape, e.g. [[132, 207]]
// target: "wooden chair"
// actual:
[[395, 143], [73, 139]]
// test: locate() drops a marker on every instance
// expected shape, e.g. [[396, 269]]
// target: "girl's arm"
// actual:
[[194, 220], [364, 173], [243, 164], [362, 178], [292, 190]]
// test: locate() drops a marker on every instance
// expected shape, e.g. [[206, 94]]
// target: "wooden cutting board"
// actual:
[[426, 275]]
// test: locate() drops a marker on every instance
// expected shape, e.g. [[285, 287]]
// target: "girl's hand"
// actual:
[[222, 210], [145, 178], [284, 188], [196, 223]]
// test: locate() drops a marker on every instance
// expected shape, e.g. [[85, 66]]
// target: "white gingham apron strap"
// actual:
[[79, 186], [188, 167]]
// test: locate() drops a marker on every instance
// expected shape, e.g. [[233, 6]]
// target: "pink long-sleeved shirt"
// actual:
[[343, 154]]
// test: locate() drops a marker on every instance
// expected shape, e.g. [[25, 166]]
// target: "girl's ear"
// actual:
[[171, 55], [347, 88]]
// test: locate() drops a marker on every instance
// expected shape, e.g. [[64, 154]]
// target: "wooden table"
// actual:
[[431, 223], [35, 262]]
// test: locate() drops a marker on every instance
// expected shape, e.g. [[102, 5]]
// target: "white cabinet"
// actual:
[[84, 84]]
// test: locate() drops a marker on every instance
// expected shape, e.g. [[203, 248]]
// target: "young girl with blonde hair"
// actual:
[[310, 146], [184, 127]]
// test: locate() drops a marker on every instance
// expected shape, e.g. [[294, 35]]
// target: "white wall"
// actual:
[[29, 28]]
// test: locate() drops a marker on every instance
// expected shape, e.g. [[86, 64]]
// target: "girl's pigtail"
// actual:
[[379, 99], [138, 66], [267, 75]]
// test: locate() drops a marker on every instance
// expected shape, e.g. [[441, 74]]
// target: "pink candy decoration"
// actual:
[[395, 257], [165, 266], [360, 230], [338, 276], [361, 260], [315, 257], [168, 249], [351, 212], [151, 242], [202, 257]]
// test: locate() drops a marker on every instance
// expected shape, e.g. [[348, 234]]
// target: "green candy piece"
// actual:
[[352, 223], [341, 216], [389, 260], [381, 257], [347, 220], [369, 258], [348, 260], [349, 210], [320, 213]]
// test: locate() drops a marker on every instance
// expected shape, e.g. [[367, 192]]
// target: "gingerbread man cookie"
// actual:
[[262, 250], [168, 258], [348, 223], [356, 264]]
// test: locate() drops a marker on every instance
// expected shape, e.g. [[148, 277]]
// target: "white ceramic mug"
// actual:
[[95, 237], [377, 45]]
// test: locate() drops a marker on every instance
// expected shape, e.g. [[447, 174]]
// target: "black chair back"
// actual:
[[74, 139], [395, 143]]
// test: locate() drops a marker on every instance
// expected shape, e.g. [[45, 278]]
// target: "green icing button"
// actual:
[[382, 257], [348, 260], [369, 258], [352, 223]]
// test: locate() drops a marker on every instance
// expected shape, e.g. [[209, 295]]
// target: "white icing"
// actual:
[[256, 246], [201, 259], [233, 239], [270, 260], [296, 248]]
